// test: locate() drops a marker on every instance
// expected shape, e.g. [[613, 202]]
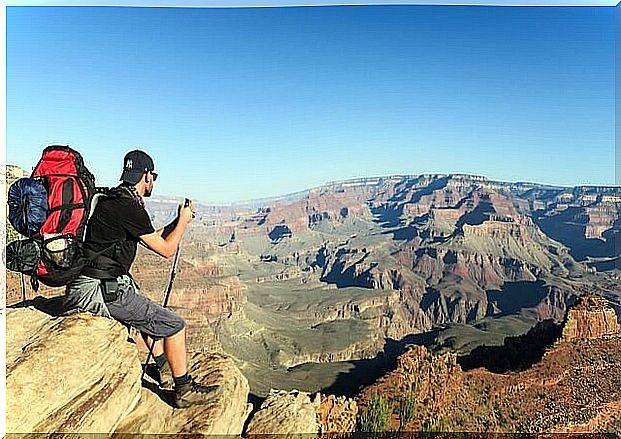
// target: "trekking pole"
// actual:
[[173, 274], [23, 287]]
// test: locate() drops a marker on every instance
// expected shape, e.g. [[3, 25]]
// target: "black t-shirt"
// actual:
[[118, 219]]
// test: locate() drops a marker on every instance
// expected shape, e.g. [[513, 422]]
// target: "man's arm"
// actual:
[[167, 229], [165, 242]]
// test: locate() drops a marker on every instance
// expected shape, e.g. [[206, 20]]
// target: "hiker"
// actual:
[[118, 223]]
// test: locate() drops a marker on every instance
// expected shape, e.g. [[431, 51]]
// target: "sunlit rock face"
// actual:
[[73, 374], [591, 318], [79, 374]]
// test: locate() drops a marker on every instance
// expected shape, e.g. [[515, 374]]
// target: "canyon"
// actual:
[[324, 290], [81, 374], [336, 274]]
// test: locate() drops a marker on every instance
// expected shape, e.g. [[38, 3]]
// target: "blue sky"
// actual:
[[241, 103]]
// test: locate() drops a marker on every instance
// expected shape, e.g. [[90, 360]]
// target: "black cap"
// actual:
[[135, 164]]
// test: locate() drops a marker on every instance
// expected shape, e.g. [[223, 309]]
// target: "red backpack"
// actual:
[[54, 255]]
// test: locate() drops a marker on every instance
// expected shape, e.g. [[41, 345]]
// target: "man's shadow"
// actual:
[[150, 374], [149, 381], [52, 306]]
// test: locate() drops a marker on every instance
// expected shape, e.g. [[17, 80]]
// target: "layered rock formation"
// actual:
[[590, 318], [198, 285], [367, 349], [437, 249], [324, 204], [587, 219], [78, 374], [331, 273]]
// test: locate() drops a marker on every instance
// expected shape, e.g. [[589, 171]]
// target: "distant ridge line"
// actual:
[[381, 179], [376, 181]]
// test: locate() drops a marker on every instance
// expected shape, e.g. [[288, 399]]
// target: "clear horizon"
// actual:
[[243, 104], [157, 195]]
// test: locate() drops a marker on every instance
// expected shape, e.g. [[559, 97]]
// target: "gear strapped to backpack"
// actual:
[[51, 208]]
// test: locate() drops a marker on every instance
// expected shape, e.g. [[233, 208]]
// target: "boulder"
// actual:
[[72, 374], [80, 374], [227, 414], [286, 413]]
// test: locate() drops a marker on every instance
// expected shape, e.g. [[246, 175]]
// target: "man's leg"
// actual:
[[159, 322], [164, 374], [174, 348], [154, 322], [187, 391]]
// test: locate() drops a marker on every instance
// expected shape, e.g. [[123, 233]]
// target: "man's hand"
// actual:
[[165, 242], [186, 212]]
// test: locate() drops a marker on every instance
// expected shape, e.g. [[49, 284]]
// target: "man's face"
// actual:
[[149, 189]]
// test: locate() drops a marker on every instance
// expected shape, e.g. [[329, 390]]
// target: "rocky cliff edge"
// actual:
[[80, 374]]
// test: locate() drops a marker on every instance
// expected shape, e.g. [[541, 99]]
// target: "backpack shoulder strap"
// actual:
[[100, 265]]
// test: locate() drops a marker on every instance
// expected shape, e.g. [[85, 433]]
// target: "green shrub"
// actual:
[[376, 415], [406, 409]]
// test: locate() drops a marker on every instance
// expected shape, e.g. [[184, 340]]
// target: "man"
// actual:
[[118, 223]]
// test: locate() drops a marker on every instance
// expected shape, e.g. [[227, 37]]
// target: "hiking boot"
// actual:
[[195, 393], [165, 378]]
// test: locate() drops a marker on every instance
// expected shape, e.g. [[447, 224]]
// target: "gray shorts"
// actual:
[[150, 318]]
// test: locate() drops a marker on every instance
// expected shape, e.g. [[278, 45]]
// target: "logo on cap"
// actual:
[[129, 164]]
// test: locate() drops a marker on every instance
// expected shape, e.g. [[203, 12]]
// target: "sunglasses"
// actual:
[[154, 175]]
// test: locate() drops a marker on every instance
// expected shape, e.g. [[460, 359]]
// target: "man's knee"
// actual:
[[179, 328]]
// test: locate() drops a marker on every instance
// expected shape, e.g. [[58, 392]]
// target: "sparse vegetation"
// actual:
[[435, 425], [374, 418], [406, 409]]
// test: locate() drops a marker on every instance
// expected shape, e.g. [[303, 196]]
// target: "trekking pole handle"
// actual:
[[188, 203]]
